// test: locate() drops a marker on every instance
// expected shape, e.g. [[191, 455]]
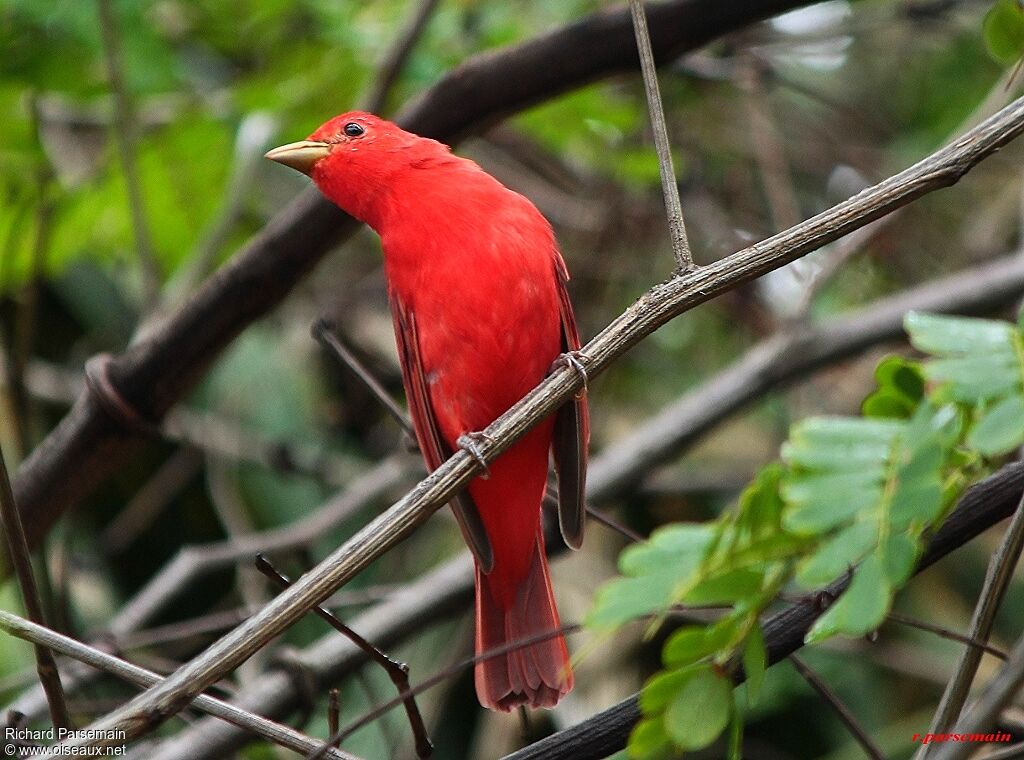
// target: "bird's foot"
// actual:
[[575, 360], [470, 442]]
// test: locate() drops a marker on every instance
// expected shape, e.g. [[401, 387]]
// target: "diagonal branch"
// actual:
[[269, 730], [669, 187], [843, 712], [997, 581], [49, 676], [655, 308], [997, 695]]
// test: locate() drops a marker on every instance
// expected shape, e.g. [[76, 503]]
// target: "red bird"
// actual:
[[478, 296]]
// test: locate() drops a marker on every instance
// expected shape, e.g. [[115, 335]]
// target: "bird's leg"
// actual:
[[470, 442], [575, 360]]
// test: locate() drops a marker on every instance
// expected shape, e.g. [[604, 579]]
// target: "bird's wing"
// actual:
[[572, 432], [432, 445]]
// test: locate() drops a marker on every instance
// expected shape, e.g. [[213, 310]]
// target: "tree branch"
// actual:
[[655, 308], [267, 729]]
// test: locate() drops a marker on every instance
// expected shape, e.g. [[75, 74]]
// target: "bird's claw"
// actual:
[[575, 360], [470, 443]]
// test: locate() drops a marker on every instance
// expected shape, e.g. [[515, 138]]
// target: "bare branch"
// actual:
[[394, 60], [938, 630], [398, 672], [841, 710], [324, 334], [49, 676], [997, 581], [673, 207], [267, 729], [997, 695], [653, 309], [768, 365], [124, 135]]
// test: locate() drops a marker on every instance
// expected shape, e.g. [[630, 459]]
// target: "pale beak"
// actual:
[[300, 155]]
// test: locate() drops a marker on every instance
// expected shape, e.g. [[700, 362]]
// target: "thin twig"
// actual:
[[997, 580], [673, 207], [398, 672], [397, 55], [444, 675], [333, 715], [841, 710], [192, 562], [151, 499], [769, 151], [267, 729], [655, 308], [946, 633], [324, 334], [997, 695], [125, 137], [49, 676]]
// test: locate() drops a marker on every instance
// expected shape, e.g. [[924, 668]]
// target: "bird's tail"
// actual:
[[538, 674]]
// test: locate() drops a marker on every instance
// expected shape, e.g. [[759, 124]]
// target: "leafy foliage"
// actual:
[[850, 496], [1004, 31]]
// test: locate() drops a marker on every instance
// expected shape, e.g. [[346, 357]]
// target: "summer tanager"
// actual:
[[477, 293]]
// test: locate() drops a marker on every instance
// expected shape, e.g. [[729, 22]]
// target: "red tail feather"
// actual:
[[538, 674]]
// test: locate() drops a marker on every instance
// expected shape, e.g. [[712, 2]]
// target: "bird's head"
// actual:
[[353, 157]]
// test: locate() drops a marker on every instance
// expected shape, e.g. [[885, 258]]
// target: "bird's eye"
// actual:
[[353, 130]]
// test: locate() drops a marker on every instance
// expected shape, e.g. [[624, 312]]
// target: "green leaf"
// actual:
[[900, 389], [886, 404], [623, 599], [700, 709], [840, 443], [861, 608], [822, 502], [729, 586], [838, 554], [943, 335], [755, 662], [899, 556], [648, 741], [902, 376], [662, 687], [735, 749], [654, 571], [694, 642], [673, 543], [1003, 30], [1000, 429], [978, 377]]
